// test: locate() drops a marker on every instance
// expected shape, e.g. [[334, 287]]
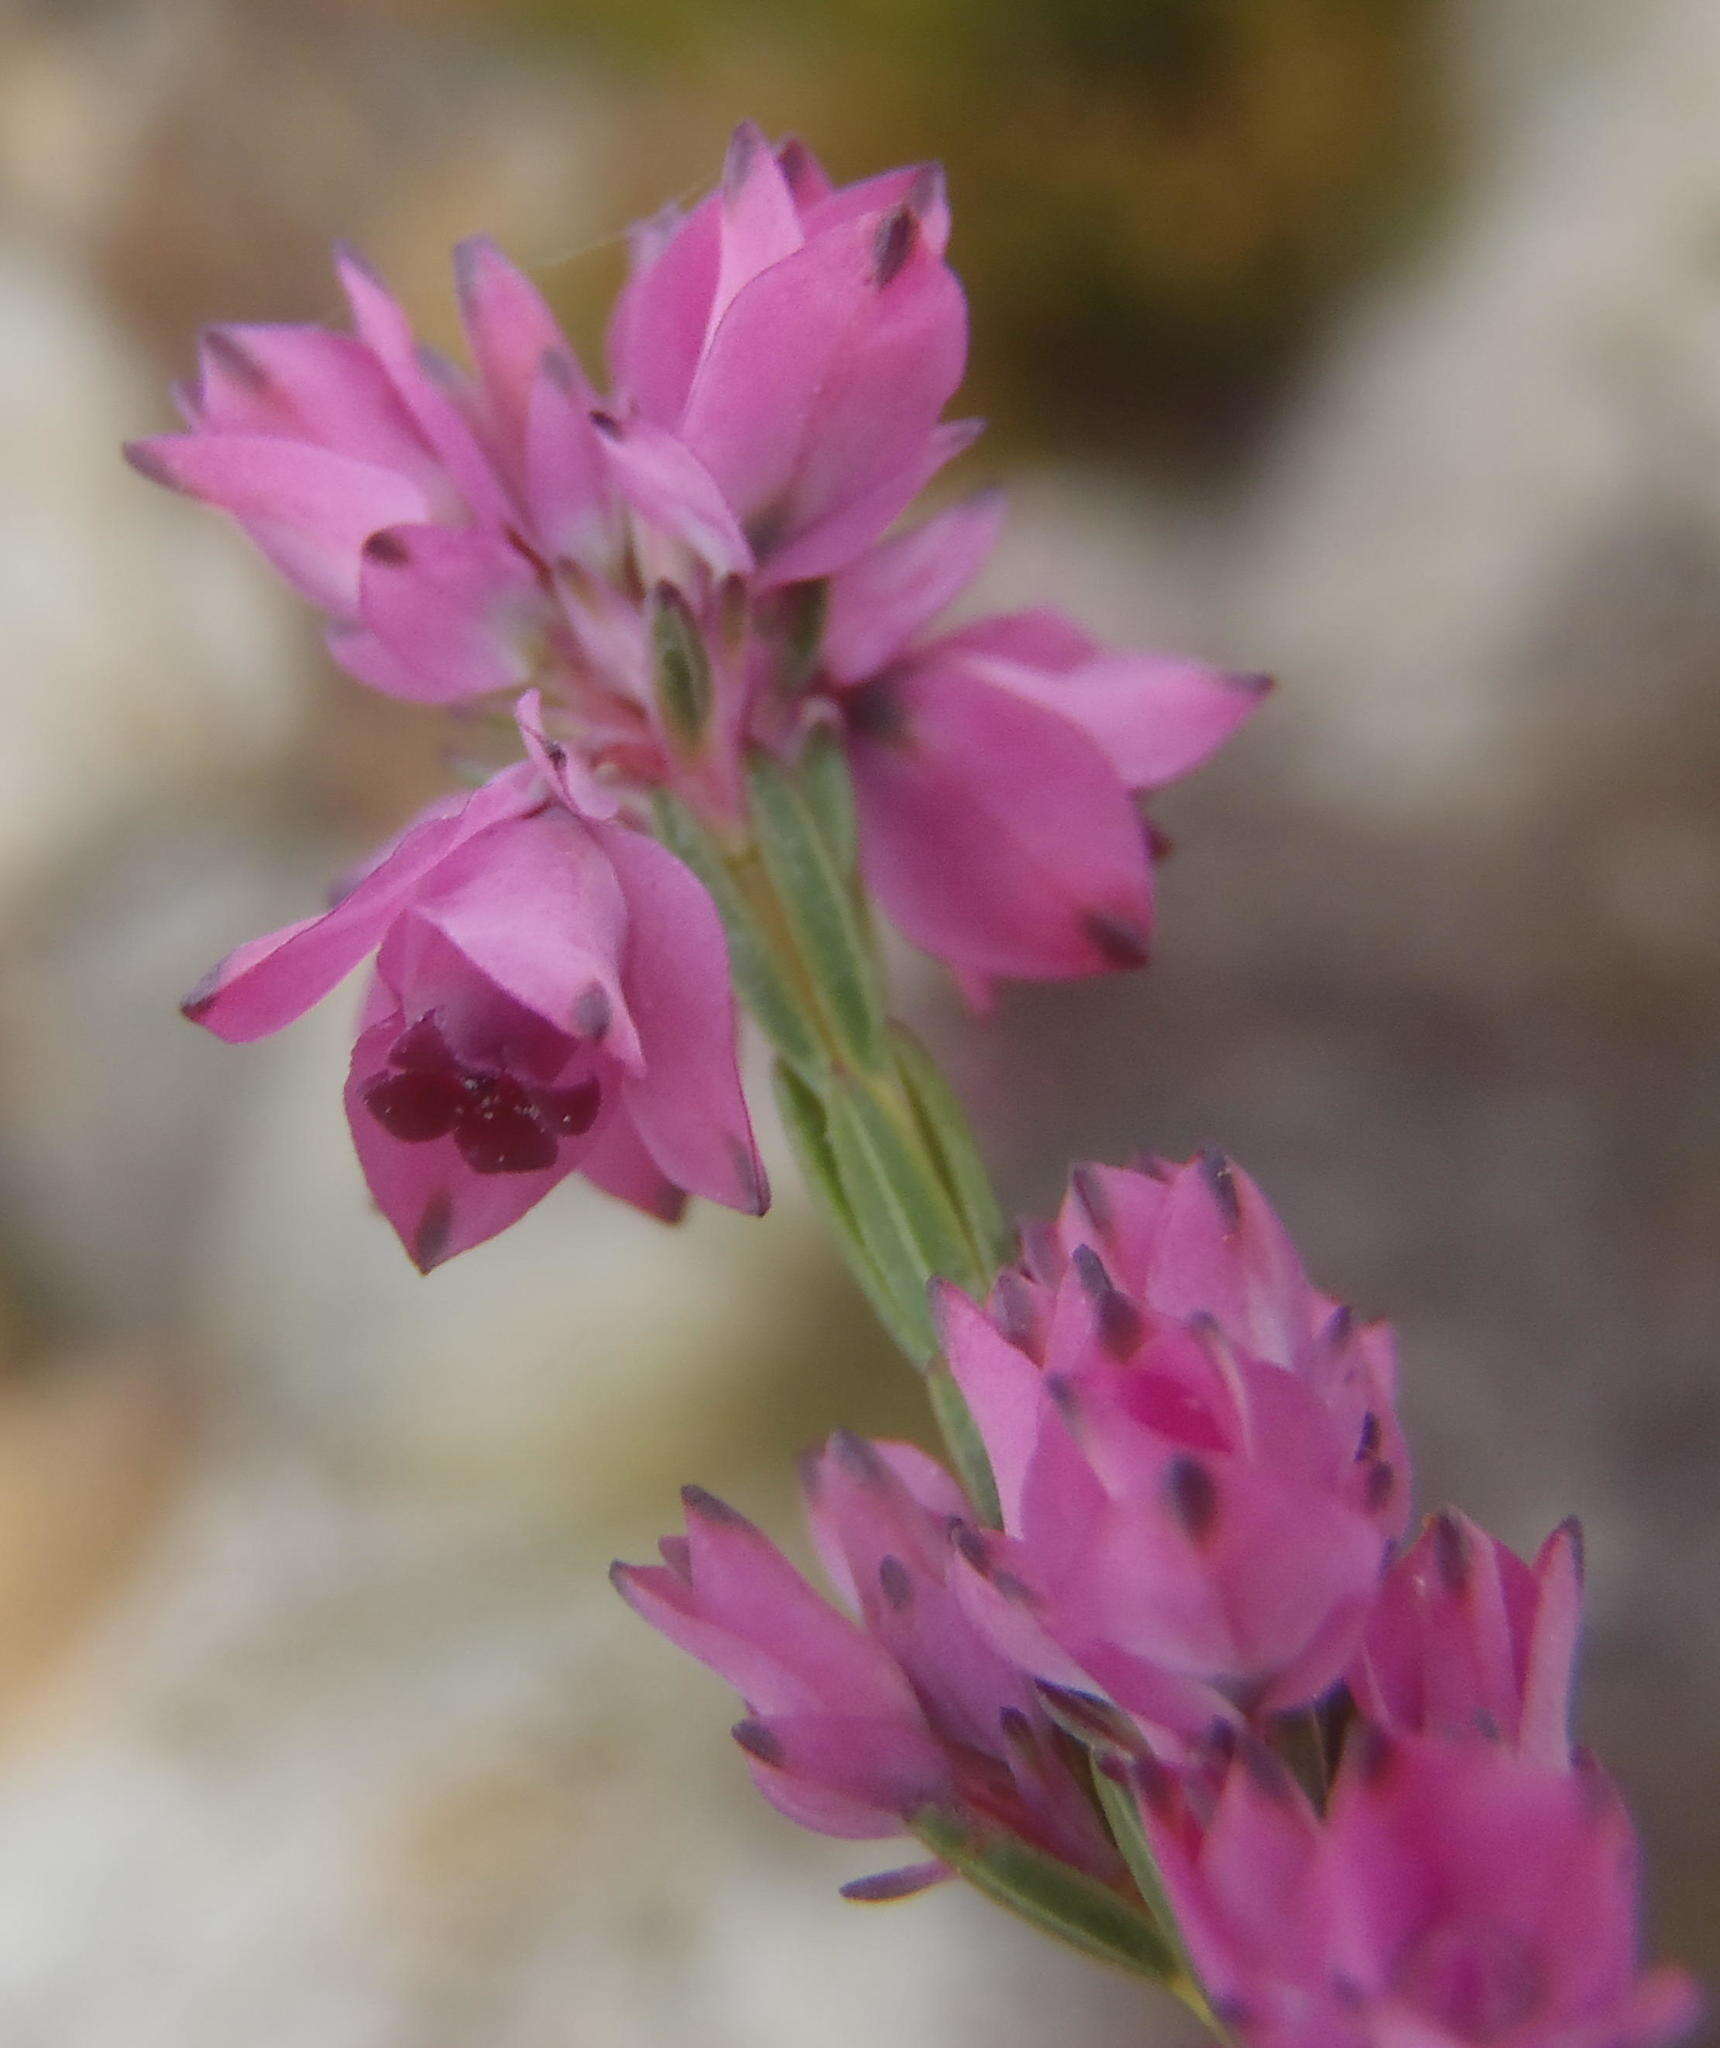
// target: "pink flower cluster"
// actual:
[[696, 566], [1202, 1485]]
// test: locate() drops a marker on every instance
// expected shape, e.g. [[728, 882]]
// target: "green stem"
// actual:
[[893, 1165]]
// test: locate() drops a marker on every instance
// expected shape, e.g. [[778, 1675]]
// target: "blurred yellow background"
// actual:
[[1376, 342]]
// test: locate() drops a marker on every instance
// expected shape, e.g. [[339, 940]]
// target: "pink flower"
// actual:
[[996, 766], [1466, 1637], [551, 994], [854, 1725], [392, 491], [1454, 1896], [1196, 1456], [798, 344], [781, 359]]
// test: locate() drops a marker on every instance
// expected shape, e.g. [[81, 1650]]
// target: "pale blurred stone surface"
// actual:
[[329, 1774], [145, 656]]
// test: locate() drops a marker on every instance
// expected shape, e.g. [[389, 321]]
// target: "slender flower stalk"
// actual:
[[1149, 1662]]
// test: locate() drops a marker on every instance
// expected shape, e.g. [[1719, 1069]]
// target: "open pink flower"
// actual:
[[1454, 1896], [856, 1724], [1189, 1446], [996, 766], [551, 994]]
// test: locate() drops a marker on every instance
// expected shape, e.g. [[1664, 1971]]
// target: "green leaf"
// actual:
[[887, 1172], [1123, 1818], [823, 772], [804, 1119], [820, 906], [765, 987], [681, 666], [964, 1443], [1061, 1901], [951, 1141]]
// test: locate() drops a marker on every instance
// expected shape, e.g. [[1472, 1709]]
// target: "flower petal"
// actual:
[[425, 392], [685, 1100], [439, 1206], [826, 375], [616, 1161], [461, 613], [657, 331], [760, 224], [309, 509], [1156, 716], [880, 603], [510, 331], [994, 833], [667, 484], [536, 908], [305, 383], [269, 981]]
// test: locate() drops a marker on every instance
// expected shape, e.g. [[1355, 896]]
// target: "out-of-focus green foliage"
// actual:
[[1152, 195]]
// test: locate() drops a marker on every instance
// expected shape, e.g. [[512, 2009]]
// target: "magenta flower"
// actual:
[[996, 766], [855, 1725], [781, 358], [798, 344], [551, 994], [1196, 1455], [1465, 1636], [1455, 1895]]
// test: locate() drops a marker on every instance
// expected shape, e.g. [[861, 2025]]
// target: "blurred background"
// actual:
[[1376, 342]]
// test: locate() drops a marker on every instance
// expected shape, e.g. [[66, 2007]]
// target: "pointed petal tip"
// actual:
[[941, 1295], [1569, 1536], [857, 1456], [428, 1246], [223, 345], [746, 144], [928, 188], [201, 1000], [1121, 942], [1251, 682], [470, 256], [760, 1742], [1220, 1177], [706, 1507], [897, 238], [753, 1184], [1450, 1542], [885, 1885], [147, 458]]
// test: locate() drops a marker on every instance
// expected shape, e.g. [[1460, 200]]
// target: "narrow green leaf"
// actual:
[[964, 1443], [1123, 1818], [823, 772], [820, 906], [764, 987], [804, 1119], [951, 1140], [926, 1235], [1061, 1901], [885, 1225], [681, 666]]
